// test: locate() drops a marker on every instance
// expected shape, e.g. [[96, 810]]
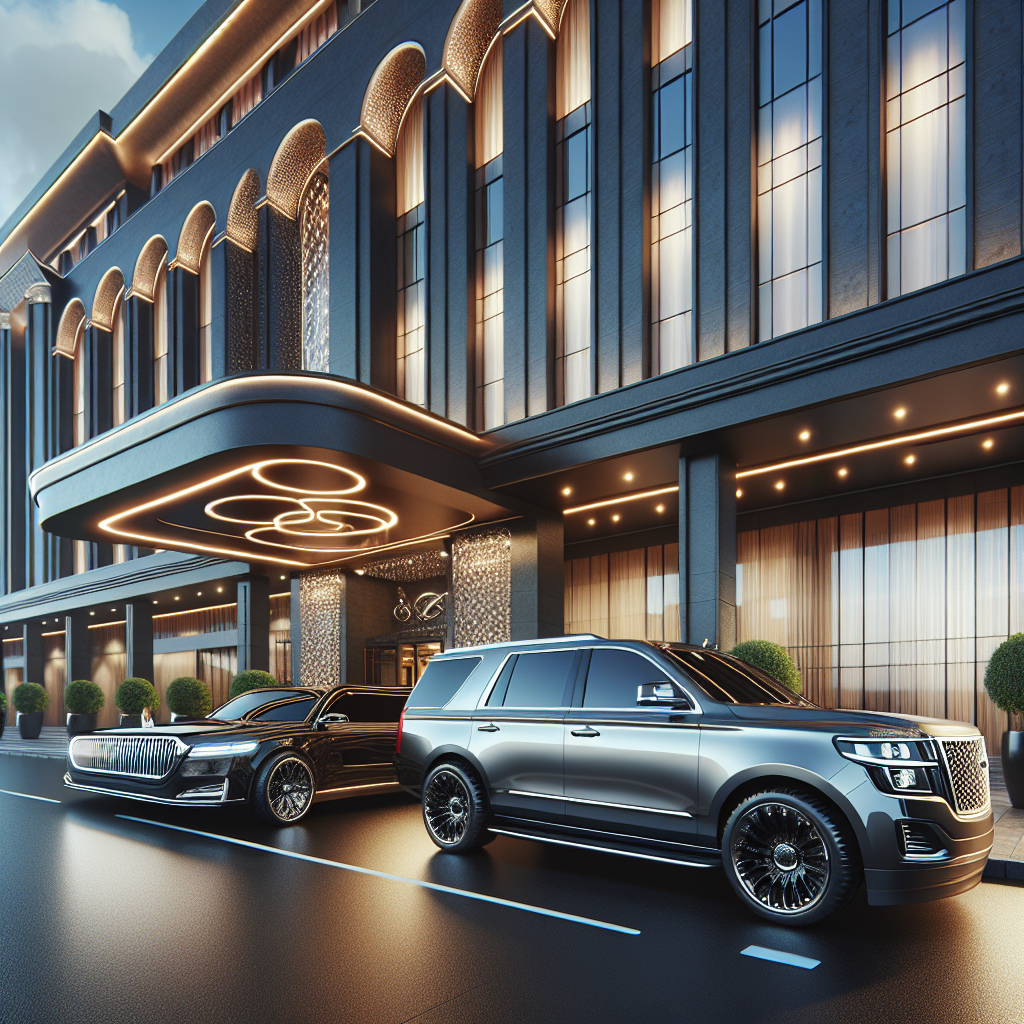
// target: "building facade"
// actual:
[[358, 330]]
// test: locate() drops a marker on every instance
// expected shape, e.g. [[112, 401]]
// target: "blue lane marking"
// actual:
[[29, 796], [779, 957], [469, 894]]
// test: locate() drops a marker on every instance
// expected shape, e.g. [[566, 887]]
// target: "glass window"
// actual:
[[789, 178], [314, 221], [412, 261], [367, 707], [734, 682], [290, 711], [245, 702], [117, 361], [441, 681], [672, 185], [206, 311], [540, 680], [81, 377], [161, 367], [926, 143], [614, 676]]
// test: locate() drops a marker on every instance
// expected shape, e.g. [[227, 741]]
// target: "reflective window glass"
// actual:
[[539, 680], [614, 676], [292, 711]]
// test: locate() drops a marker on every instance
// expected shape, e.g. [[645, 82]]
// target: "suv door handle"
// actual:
[[589, 731], [488, 728]]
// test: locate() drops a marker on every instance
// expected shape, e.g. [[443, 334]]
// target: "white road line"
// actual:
[[29, 796], [469, 894], [780, 957]]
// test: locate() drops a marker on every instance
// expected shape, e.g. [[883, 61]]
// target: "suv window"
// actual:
[[540, 680], [291, 711], [367, 707], [614, 677], [735, 682], [440, 681]]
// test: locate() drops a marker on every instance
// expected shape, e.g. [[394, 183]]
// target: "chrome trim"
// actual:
[[193, 795], [599, 803], [148, 799], [365, 785], [576, 638], [882, 761], [602, 849], [138, 751]]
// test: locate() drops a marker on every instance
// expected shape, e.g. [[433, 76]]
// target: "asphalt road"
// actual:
[[110, 919]]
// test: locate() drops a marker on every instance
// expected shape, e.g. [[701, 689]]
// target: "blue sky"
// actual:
[[155, 22]]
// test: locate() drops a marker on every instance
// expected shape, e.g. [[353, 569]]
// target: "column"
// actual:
[[538, 578], [32, 645], [254, 623], [295, 622], [77, 648], [13, 477], [40, 547], [234, 301], [282, 287], [707, 550], [321, 621], [138, 637]]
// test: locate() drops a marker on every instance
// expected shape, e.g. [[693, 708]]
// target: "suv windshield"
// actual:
[[733, 681], [241, 705]]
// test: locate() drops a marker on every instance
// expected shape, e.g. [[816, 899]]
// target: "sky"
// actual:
[[60, 62]]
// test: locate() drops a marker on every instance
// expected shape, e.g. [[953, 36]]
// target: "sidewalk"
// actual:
[[52, 742]]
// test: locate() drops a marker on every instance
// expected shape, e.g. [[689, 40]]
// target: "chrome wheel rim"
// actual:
[[780, 858], [446, 806], [290, 789]]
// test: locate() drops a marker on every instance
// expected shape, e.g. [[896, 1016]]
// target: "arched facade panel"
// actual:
[[198, 225], [68, 328], [241, 225], [105, 299], [472, 29], [391, 88], [301, 152], [147, 267]]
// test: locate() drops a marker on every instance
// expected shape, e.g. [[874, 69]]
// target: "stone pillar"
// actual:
[[138, 638], [322, 626], [538, 578], [77, 646], [254, 623], [32, 645], [707, 550]]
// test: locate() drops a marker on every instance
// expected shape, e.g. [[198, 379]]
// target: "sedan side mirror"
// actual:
[[664, 694], [334, 718]]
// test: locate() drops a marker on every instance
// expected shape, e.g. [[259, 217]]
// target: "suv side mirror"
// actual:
[[664, 694], [334, 718]]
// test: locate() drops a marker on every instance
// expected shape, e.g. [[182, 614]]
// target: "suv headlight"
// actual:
[[895, 766], [208, 750]]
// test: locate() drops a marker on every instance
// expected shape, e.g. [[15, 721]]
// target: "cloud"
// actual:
[[60, 62]]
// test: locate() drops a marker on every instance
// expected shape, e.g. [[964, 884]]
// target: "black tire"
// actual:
[[284, 789], [455, 810], [790, 857]]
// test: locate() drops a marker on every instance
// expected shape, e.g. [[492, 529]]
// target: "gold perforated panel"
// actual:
[[154, 252], [321, 594], [301, 151], [550, 11], [193, 233], [473, 28], [106, 295], [241, 222], [482, 588], [397, 77], [67, 330]]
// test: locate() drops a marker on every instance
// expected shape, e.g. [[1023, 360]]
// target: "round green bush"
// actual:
[[83, 697], [135, 694], [3, 702], [770, 658], [1004, 677], [252, 679], [30, 698], [187, 695]]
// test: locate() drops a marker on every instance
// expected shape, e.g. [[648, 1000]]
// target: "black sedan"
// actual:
[[281, 749]]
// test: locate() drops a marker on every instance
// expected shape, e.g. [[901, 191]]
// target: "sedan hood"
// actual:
[[187, 732], [854, 723]]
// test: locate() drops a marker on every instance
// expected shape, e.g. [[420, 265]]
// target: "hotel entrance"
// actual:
[[399, 661]]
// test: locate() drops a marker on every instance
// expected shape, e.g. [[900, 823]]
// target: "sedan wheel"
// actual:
[[284, 790], [789, 858], [455, 808]]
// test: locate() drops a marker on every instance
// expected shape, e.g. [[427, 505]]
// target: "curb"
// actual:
[[1007, 870]]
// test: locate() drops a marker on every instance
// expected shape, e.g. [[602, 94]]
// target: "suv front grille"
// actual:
[[146, 757], [967, 773]]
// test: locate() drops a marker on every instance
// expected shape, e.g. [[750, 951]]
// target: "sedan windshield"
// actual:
[[734, 682], [244, 703]]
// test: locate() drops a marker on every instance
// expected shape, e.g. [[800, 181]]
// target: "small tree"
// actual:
[[252, 679], [3, 702], [187, 695], [83, 697], [30, 698], [770, 658], [1004, 677], [135, 694]]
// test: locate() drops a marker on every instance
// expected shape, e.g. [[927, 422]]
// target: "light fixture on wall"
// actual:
[[780, 485], [628, 477], [900, 413], [987, 443], [1002, 388], [805, 435], [843, 471], [659, 508], [616, 518], [591, 522], [566, 491], [910, 460], [739, 492]]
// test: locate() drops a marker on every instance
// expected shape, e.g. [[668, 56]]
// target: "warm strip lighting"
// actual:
[[56, 632], [196, 611], [100, 625], [924, 435], [284, 593], [12, 639], [622, 499]]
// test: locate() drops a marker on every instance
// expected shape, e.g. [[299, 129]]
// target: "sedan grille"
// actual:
[[967, 770], [145, 757]]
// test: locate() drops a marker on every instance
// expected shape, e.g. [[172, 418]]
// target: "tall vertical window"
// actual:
[[206, 312], [490, 263], [313, 231], [672, 184], [118, 409], [789, 178], [161, 366], [926, 143], [412, 263], [574, 374], [81, 378]]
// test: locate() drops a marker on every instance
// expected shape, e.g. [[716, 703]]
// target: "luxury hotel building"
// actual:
[[358, 330]]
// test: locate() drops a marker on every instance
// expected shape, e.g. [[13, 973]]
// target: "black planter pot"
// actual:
[[30, 724], [78, 724], [3, 722], [130, 722], [1013, 766]]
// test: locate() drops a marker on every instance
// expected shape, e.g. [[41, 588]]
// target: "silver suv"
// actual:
[[688, 756]]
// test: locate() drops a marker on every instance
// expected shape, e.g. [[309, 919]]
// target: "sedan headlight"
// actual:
[[895, 766], [237, 749]]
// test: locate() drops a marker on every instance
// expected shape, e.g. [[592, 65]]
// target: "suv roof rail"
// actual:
[[573, 638]]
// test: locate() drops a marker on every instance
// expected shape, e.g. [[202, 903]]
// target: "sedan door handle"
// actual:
[[589, 731], [488, 728]]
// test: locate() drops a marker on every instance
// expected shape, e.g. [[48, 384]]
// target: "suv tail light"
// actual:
[[398, 738]]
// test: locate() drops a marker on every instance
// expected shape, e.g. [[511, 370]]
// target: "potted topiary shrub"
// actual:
[[132, 696], [1004, 680], [251, 679], [188, 697], [770, 658], [83, 700], [30, 701]]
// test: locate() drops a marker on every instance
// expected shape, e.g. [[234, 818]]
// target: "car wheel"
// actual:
[[284, 790], [790, 857], [455, 808]]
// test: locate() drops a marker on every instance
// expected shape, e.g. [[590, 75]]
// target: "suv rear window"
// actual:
[[440, 681], [733, 681]]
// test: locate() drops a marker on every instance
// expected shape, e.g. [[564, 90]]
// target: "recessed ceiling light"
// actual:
[[220, 590], [779, 484], [444, 554], [628, 477], [199, 593], [739, 492], [616, 518], [910, 460], [567, 491], [987, 443], [113, 609], [92, 613], [805, 435], [176, 598], [900, 413], [156, 602], [359, 572], [660, 508], [843, 471], [282, 577], [1003, 388], [591, 522]]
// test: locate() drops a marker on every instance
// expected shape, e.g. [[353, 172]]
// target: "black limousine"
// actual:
[[281, 749]]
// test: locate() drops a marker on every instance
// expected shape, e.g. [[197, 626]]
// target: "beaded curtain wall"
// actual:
[[313, 227], [320, 598], [482, 588]]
